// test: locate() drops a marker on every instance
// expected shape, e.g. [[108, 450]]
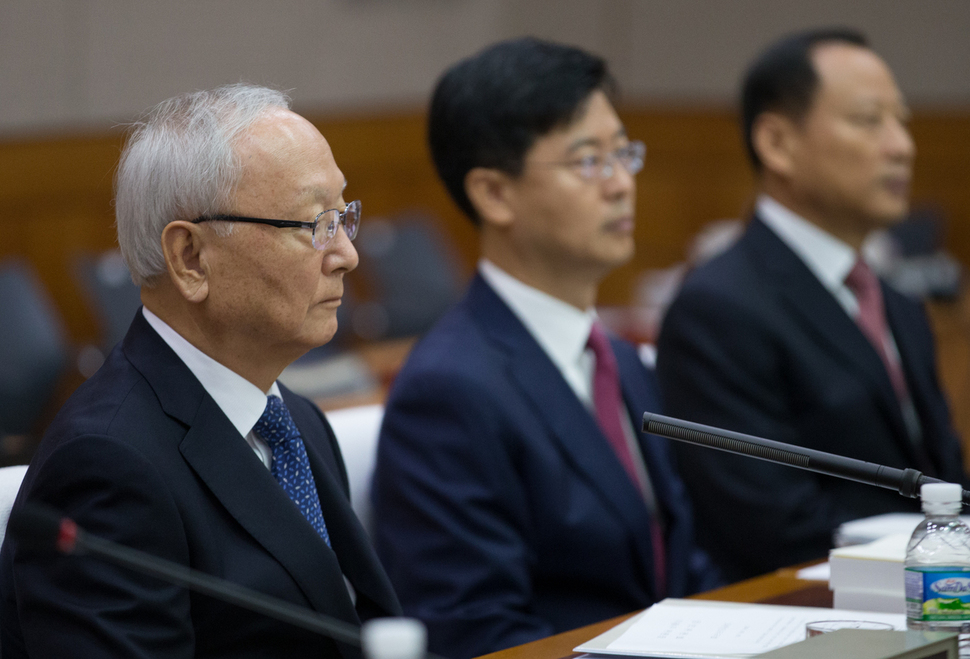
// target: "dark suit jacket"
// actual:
[[502, 514], [755, 343], [142, 455]]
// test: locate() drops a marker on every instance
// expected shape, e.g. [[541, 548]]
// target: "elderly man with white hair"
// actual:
[[231, 218]]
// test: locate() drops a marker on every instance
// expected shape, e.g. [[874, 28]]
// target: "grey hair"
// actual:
[[179, 164]]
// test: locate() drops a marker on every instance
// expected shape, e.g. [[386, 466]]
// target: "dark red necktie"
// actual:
[[872, 322], [609, 406]]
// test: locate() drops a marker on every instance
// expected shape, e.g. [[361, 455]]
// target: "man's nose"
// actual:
[[899, 142], [341, 254], [620, 183]]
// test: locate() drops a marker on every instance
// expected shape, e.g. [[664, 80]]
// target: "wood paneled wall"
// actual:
[[55, 194]]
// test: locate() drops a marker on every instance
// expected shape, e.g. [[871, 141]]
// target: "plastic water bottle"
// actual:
[[394, 638], [938, 566]]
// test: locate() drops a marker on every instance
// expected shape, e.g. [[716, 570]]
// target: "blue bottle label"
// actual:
[[937, 594]]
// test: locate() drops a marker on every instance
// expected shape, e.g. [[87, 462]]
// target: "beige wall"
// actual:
[[70, 64]]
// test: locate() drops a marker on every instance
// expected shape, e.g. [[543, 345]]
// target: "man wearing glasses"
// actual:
[[514, 495], [231, 218]]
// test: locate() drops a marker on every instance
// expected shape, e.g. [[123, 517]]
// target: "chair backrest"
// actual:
[[113, 296], [33, 349], [10, 480], [357, 429], [413, 269]]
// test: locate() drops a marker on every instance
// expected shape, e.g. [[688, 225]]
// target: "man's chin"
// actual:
[[320, 334], [625, 249], [889, 214]]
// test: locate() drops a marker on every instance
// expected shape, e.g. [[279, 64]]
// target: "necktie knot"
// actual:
[[863, 284], [276, 425], [599, 343]]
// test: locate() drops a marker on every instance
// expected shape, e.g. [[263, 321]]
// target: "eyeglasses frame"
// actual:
[[608, 167], [296, 224]]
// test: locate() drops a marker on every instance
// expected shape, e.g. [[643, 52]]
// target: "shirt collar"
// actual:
[[558, 327], [238, 398], [829, 258]]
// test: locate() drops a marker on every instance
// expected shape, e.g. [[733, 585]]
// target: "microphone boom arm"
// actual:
[[227, 591], [905, 481]]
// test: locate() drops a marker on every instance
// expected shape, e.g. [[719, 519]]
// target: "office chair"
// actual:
[[112, 296], [413, 272], [33, 349]]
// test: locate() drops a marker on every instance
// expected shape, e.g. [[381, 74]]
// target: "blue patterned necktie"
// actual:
[[291, 466]]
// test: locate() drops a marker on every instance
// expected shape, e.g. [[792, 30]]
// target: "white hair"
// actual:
[[179, 164]]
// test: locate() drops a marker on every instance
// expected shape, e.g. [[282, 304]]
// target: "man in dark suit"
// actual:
[[183, 444], [789, 335], [514, 495]]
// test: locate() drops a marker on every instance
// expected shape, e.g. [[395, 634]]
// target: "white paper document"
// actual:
[[707, 630]]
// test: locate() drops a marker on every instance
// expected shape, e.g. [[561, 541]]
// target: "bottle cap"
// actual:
[[941, 493], [393, 638]]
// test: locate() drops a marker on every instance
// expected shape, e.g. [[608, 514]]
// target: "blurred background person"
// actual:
[[789, 335], [514, 495]]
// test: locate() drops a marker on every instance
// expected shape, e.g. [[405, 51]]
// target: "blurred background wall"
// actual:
[[72, 72], [72, 64]]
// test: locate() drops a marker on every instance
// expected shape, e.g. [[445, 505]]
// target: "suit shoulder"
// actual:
[[726, 274], [112, 403], [720, 295]]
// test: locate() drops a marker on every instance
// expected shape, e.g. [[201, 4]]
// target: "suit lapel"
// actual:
[[908, 343], [639, 398], [570, 424], [227, 465], [803, 294], [248, 491], [921, 382], [354, 552]]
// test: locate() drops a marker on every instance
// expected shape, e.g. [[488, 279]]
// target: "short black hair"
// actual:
[[783, 78], [489, 109]]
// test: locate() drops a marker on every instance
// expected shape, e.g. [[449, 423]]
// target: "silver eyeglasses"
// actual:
[[602, 168], [324, 226]]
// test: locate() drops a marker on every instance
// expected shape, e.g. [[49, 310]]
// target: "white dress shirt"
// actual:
[[238, 398], [562, 330], [829, 259]]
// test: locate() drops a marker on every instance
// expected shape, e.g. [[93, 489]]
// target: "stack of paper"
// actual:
[[867, 529], [697, 629], [870, 577]]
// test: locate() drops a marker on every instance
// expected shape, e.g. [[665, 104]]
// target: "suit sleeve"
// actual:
[[84, 606], [452, 524], [718, 364]]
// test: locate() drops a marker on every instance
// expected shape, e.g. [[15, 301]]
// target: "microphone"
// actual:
[[905, 481], [42, 528]]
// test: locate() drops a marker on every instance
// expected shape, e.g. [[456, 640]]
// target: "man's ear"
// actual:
[[183, 245], [775, 140], [489, 191]]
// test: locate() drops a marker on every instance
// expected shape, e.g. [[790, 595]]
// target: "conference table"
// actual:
[[780, 587]]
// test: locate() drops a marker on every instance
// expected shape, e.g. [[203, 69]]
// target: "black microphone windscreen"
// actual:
[[37, 526]]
